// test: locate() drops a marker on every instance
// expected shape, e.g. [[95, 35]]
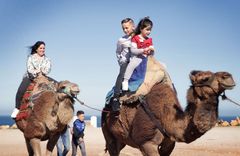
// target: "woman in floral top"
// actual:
[[37, 63]]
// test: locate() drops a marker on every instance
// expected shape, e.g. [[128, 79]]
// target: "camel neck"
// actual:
[[202, 115]]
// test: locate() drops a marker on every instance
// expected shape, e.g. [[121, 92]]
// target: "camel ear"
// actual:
[[192, 76], [201, 77], [62, 84]]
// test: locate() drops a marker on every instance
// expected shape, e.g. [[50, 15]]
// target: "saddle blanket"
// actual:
[[145, 76], [135, 81]]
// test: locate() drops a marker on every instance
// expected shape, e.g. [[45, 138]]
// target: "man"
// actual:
[[64, 140]]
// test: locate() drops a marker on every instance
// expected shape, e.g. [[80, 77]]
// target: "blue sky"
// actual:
[[81, 38]]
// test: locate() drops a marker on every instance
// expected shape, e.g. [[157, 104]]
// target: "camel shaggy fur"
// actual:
[[51, 113], [135, 128]]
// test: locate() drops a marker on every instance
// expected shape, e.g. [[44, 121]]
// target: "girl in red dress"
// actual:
[[141, 47]]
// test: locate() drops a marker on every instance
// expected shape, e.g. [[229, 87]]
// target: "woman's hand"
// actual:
[[40, 74]]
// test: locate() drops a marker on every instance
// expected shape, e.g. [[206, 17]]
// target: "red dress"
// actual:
[[142, 44]]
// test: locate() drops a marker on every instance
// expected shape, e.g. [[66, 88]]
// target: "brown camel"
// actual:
[[51, 113], [140, 129]]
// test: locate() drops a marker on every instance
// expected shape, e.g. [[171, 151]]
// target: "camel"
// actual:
[[51, 112], [154, 124]]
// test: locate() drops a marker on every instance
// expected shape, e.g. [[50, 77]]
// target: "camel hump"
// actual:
[[155, 73], [44, 97], [43, 83]]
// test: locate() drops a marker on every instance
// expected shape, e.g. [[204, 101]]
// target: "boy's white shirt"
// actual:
[[122, 51]]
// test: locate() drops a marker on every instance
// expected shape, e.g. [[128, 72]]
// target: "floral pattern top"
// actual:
[[37, 64]]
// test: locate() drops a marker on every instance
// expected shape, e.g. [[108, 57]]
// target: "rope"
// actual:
[[224, 97], [96, 109], [152, 116]]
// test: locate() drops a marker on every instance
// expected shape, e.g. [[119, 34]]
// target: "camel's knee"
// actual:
[[149, 149], [35, 143], [166, 148]]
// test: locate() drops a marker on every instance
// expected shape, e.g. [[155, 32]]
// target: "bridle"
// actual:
[[223, 94], [206, 84]]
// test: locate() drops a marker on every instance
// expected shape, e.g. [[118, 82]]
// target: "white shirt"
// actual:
[[122, 52], [37, 64]]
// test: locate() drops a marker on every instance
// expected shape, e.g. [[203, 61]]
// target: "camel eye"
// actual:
[[224, 77], [63, 87], [205, 79]]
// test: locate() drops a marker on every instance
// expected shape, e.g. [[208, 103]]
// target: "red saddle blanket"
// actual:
[[26, 103]]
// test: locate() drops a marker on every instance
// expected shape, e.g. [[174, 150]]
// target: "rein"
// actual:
[[224, 97], [96, 109], [152, 116], [67, 91]]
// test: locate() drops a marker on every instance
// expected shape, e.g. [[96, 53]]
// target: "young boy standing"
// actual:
[[123, 55], [78, 134]]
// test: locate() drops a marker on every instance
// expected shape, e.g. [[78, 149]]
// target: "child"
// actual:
[[123, 55], [141, 47], [37, 63], [78, 134]]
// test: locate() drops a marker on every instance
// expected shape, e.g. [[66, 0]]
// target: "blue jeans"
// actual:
[[64, 140]]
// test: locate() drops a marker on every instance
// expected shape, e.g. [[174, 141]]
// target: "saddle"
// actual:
[[155, 73], [35, 88]]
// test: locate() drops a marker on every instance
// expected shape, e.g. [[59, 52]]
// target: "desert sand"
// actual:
[[220, 141]]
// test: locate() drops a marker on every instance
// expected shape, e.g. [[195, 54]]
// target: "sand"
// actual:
[[220, 141]]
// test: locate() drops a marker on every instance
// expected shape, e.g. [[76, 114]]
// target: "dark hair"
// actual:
[[143, 23], [127, 20], [34, 47], [80, 112]]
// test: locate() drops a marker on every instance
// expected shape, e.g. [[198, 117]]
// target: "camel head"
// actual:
[[210, 83], [67, 89]]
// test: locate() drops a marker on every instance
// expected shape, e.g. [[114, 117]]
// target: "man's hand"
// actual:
[[71, 130], [81, 140]]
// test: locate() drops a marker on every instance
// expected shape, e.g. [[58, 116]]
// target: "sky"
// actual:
[[81, 38]]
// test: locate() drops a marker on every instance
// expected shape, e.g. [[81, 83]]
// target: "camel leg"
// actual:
[[51, 144], [35, 143], [149, 149], [121, 146], [29, 147], [166, 147], [111, 143], [114, 147]]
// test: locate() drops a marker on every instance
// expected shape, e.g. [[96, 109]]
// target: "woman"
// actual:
[[37, 64]]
